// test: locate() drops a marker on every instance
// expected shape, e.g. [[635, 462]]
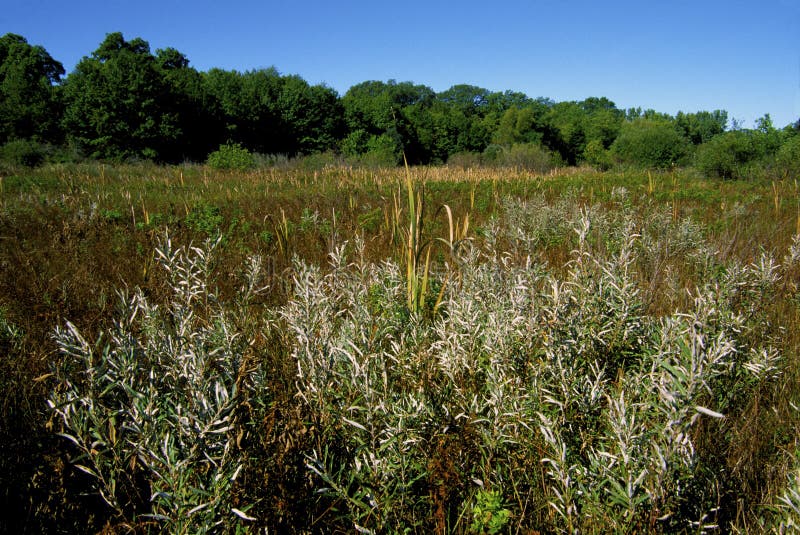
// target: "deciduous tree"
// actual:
[[117, 102], [29, 107]]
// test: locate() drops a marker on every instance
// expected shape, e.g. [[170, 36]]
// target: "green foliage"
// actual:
[[517, 126], [23, 152], [597, 156], [125, 103], [389, 109], [788, 157], [493, 154], [187, 102], [112, 216], [310, 117], [650, 143], [206, 219], [489, 514], [116, 105], [355, 143], [29, 106], [568, 121], [532, 157], [273, 114], [603, 121], [529, 156], [700, 127], [727, 155], [231, 156], [383, 150], [243, 106]]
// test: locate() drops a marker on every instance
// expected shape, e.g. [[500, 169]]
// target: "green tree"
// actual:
[[788, 157], [390, 108], [29, 107], [595, 154], [383, 150], [355, 143], [650, 143], [311, 117], [498, 102], [767, 138], [603, 121], [468, 99], [518, 125], [727, 155], [117, 102], [568, 121], [700, 127], [245, 106], [185, 104]]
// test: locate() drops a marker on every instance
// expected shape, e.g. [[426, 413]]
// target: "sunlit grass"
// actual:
[[398, 348]]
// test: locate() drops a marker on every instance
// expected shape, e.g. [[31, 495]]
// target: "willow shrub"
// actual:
[[536, 397]]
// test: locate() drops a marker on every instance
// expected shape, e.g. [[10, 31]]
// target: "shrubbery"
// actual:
[[382, 150], [597, 155], [788, 158], [23, 152], [650, 143], [727, 155], [464, 160], [231, 156], [529, 156]]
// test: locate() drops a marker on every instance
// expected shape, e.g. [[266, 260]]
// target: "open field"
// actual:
[[340, 349]]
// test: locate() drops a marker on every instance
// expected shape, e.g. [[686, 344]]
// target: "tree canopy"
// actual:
[[124, 101], [29, 107], [116, 103]]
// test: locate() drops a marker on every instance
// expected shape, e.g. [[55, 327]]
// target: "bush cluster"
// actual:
[[23, 152], [231, 156]]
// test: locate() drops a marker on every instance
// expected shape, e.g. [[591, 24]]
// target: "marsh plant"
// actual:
[[150, 406], [531, 396]]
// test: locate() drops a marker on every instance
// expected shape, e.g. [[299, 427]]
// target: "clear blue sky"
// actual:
[[667, 55]]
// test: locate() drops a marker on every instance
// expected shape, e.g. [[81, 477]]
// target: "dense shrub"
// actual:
[[533, 157], [231, 156], [464, 160], [651, 143], [596, 155], [788, 158], [23, 152], [727, 155], [383, 150], [529, 156], [492, 153]]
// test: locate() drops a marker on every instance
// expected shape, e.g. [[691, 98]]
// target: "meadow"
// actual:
[[434, 349]]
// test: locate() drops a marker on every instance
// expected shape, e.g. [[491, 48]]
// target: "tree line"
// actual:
[[126, 102]]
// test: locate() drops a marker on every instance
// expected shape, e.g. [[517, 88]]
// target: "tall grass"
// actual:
[[573, 408], [589, 360]]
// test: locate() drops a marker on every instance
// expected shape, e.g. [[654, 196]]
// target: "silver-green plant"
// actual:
[[346, 328], [546, 398], [150, 407]]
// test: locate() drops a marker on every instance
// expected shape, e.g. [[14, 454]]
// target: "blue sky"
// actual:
[[668, 55]]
